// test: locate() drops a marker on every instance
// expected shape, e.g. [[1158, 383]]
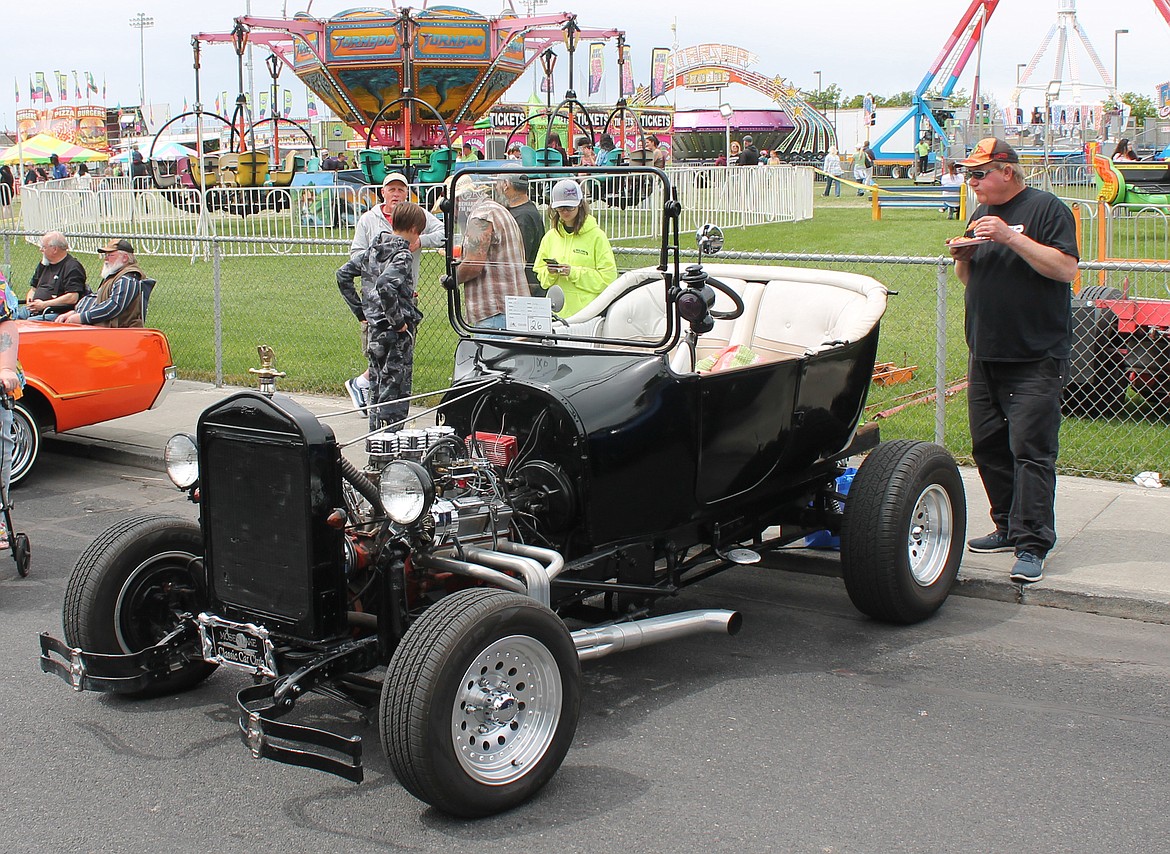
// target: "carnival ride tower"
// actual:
[[1067, 33]]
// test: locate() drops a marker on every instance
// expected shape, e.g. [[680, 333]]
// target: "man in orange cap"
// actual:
[[1017, 259]]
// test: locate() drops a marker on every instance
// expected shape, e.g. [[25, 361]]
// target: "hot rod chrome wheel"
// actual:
[[930, 535], [480, 702], [506, 714], [130, 588], [902, 533]]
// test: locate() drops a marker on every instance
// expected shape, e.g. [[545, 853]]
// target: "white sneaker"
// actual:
[[357, 392]]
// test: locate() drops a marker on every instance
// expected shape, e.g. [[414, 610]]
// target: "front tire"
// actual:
[[903, 529], [480, 702], [130, 588]]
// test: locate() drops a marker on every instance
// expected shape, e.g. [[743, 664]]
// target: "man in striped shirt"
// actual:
[[118, 300], [491, 264]]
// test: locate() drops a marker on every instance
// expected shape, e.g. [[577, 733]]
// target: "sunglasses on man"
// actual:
[[980, 173]]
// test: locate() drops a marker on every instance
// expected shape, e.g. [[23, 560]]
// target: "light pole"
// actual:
[[820, 98], [727, 112], [1019, 65], [1116, 33], [1050, 95], [141, 22]]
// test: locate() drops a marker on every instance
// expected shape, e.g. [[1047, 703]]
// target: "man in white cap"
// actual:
[[377, 221]]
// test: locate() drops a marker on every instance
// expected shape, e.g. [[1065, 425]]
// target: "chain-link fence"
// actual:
[[218, 299]]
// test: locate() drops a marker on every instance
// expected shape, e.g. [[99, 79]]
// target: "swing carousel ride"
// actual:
[[405, 80]]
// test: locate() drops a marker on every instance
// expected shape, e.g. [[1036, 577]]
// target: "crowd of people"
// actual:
[[507, 250]]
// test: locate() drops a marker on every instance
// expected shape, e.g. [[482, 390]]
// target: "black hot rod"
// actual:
[[579, 472]]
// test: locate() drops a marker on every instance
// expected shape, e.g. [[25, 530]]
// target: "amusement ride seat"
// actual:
[[252, 169], [373, 165], [439, 168]]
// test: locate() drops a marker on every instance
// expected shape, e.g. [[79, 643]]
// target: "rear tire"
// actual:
[[480, 702], [129, 590], [28, 441], [903, 530]]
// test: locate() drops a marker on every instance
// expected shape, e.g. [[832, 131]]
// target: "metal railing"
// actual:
[[282, 221]]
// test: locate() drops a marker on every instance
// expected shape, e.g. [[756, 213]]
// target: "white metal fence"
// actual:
[[258, 221]]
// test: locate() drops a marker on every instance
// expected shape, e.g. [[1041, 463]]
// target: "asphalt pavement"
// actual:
[[1111, 557]]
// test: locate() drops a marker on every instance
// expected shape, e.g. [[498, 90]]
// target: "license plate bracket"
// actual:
[[242, 646]]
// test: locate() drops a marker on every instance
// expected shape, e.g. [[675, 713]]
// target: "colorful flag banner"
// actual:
[[312, 105], [627, 72], [103, 88], [62, 84], [90, 86], [596, 66], [658, 57], [16, 84], [263, 104], [227, 105], [42, 91], [287, 103], [546, 83], [76, 87]]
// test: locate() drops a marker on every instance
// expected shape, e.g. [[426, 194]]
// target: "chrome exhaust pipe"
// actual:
[[532, 571], [600, 641], [553, 560], [471, 570]]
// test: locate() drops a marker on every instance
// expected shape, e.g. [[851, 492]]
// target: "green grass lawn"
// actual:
[[292, 304]]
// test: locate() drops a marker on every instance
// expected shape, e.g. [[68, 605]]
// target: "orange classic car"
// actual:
[[80, 375]]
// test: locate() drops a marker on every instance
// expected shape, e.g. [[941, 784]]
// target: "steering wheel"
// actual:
[[729, 292]]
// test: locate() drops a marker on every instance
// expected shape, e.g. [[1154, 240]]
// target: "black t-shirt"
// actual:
[[531, 224], [1013, 313], [67, 276]]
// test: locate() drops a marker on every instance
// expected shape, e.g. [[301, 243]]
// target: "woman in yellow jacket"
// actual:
[[574, 253]]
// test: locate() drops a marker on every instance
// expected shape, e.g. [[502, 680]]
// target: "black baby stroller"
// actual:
[[18, 542]]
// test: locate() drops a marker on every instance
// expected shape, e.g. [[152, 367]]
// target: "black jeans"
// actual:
[[1014, 412]]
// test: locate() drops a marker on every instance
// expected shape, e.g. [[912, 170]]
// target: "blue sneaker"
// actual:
[[1027, 569], [356, 392], [996, 541]]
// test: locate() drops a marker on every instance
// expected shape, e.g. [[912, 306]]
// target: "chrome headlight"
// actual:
[[182, 459], [406, 490]]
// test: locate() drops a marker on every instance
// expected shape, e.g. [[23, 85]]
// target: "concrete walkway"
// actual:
[[1113, 556]]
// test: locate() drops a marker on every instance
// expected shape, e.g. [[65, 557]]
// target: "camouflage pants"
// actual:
[[391, 356]]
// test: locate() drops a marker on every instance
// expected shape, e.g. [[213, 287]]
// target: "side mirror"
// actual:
[[709, 237], [556, 296]]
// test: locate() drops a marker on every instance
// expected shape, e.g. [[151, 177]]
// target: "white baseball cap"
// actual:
[[565, 194], [395, 178]]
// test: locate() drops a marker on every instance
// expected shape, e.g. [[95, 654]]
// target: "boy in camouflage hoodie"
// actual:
[[387, 303]]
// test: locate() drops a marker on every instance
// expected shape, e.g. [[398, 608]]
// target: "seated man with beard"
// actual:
[[118, 300]]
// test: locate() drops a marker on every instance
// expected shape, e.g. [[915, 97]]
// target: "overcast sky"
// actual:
[[884, 47]]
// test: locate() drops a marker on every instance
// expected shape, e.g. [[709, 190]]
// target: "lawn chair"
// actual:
[[147, 286]]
